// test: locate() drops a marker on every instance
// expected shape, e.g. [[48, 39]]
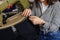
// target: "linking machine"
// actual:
[[10, 11]]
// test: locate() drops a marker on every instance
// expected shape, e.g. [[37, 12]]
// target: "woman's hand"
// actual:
[[26, 12], [36, 20]]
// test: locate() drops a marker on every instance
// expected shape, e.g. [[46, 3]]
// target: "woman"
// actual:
[[46, 14]]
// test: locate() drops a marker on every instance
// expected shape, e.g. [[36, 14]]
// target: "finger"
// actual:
[[32, 17], [27, 13], [24, 13], [32, 20], [30, 12]]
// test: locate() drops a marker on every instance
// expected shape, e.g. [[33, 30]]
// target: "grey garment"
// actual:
[[51, 16]]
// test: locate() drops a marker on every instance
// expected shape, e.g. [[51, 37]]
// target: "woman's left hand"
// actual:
[[36, 20]]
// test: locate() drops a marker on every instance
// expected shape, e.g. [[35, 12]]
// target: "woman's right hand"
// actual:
[[26, 12]]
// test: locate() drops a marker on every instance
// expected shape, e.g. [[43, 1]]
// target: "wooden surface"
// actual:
[[13, 21]]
